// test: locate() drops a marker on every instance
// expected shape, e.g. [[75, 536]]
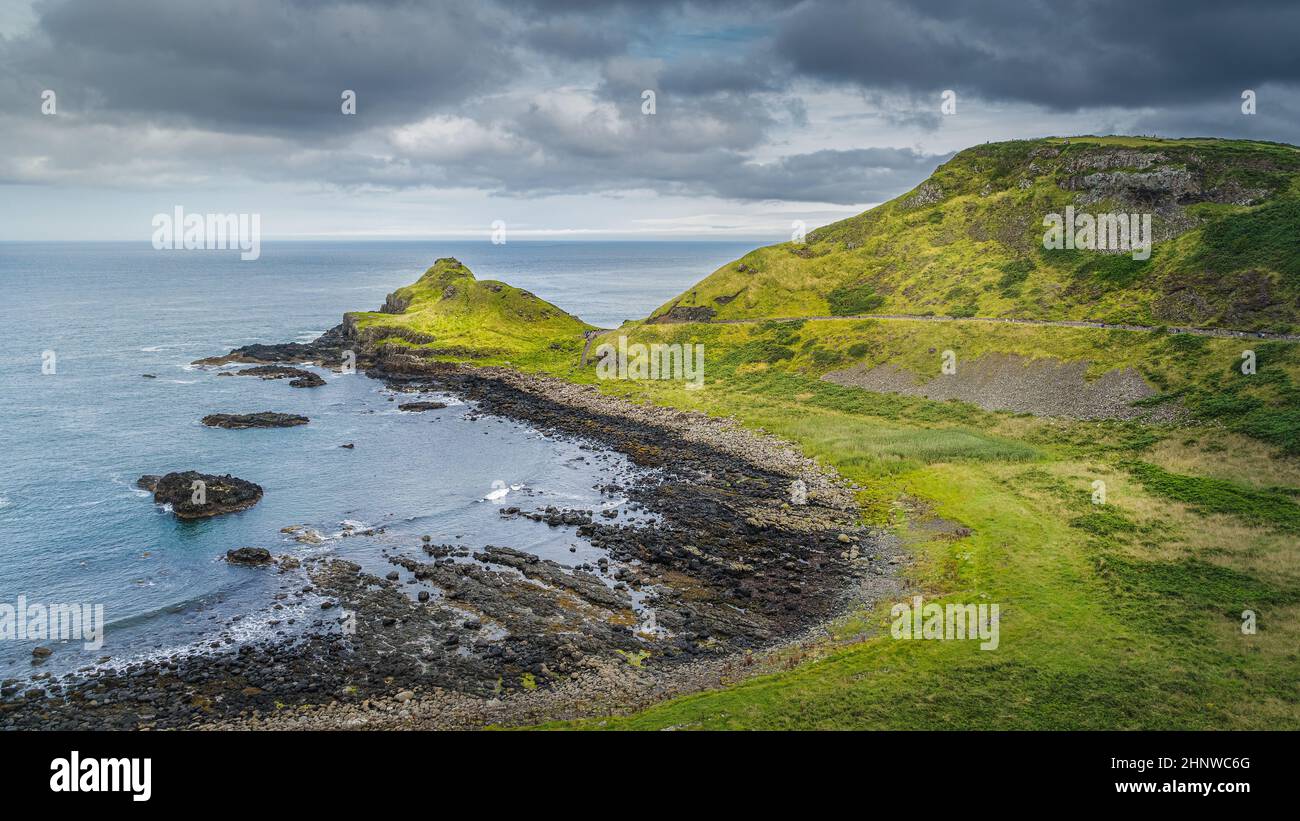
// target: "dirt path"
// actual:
[[1058, 323]]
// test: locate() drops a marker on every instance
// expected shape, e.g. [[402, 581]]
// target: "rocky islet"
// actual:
[[194, 495]]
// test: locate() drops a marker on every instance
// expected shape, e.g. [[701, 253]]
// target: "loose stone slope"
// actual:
[[1008, 382]]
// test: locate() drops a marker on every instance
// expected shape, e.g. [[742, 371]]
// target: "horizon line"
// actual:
[[753, 238]]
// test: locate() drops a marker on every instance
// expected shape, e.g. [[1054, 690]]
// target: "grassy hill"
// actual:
[[449, 314], [969, 241]]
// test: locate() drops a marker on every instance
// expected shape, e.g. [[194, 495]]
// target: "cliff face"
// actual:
[[1223, 218]]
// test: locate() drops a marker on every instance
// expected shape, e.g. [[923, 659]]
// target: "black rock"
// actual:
[[249, 555], [265, 419], [298, 378], [220, 494], [417, 407]]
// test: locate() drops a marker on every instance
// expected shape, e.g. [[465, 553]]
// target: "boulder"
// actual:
[[219, 494], [249, 556]]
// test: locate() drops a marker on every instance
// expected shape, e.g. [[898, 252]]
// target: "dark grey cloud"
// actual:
[[544, 96], [1063, 55], [831, 176], [268, 66], [841, 177], [576, 144], [700, 76], [573, 38]]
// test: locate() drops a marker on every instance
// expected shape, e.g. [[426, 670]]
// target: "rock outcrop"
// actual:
[[264, 419], [194, 495], [254, 556], [298, 378]]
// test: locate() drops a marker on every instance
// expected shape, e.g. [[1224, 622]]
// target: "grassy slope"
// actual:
[[1123, 615], [968, 241]]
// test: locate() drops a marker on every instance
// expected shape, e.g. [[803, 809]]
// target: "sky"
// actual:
[[535, 114]]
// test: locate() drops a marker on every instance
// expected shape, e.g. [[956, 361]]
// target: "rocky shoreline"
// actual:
[[731, 565]]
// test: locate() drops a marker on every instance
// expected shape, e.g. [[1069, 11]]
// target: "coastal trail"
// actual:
[[1223, 333]]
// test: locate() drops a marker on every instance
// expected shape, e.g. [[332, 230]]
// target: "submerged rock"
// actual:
[[417, 407], [284, 352], [330, 349], [195, 495], [298, 378], [265, 419]]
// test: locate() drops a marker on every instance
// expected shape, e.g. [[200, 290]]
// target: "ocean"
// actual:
[[80, 423]]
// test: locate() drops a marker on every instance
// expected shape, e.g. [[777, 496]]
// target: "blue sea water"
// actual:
[[74, 529]]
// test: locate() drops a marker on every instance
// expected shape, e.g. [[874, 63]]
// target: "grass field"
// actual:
[[1122, 615]]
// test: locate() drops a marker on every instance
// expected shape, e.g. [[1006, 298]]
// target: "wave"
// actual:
[[172, 609], [135, 489], [252, 626], [500, 490]]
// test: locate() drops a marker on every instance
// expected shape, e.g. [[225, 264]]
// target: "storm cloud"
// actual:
[[1072, 54], [820, 101]]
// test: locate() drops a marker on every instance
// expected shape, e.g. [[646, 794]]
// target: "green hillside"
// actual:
[[1121, 615], [969, 242], [448, 313]]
